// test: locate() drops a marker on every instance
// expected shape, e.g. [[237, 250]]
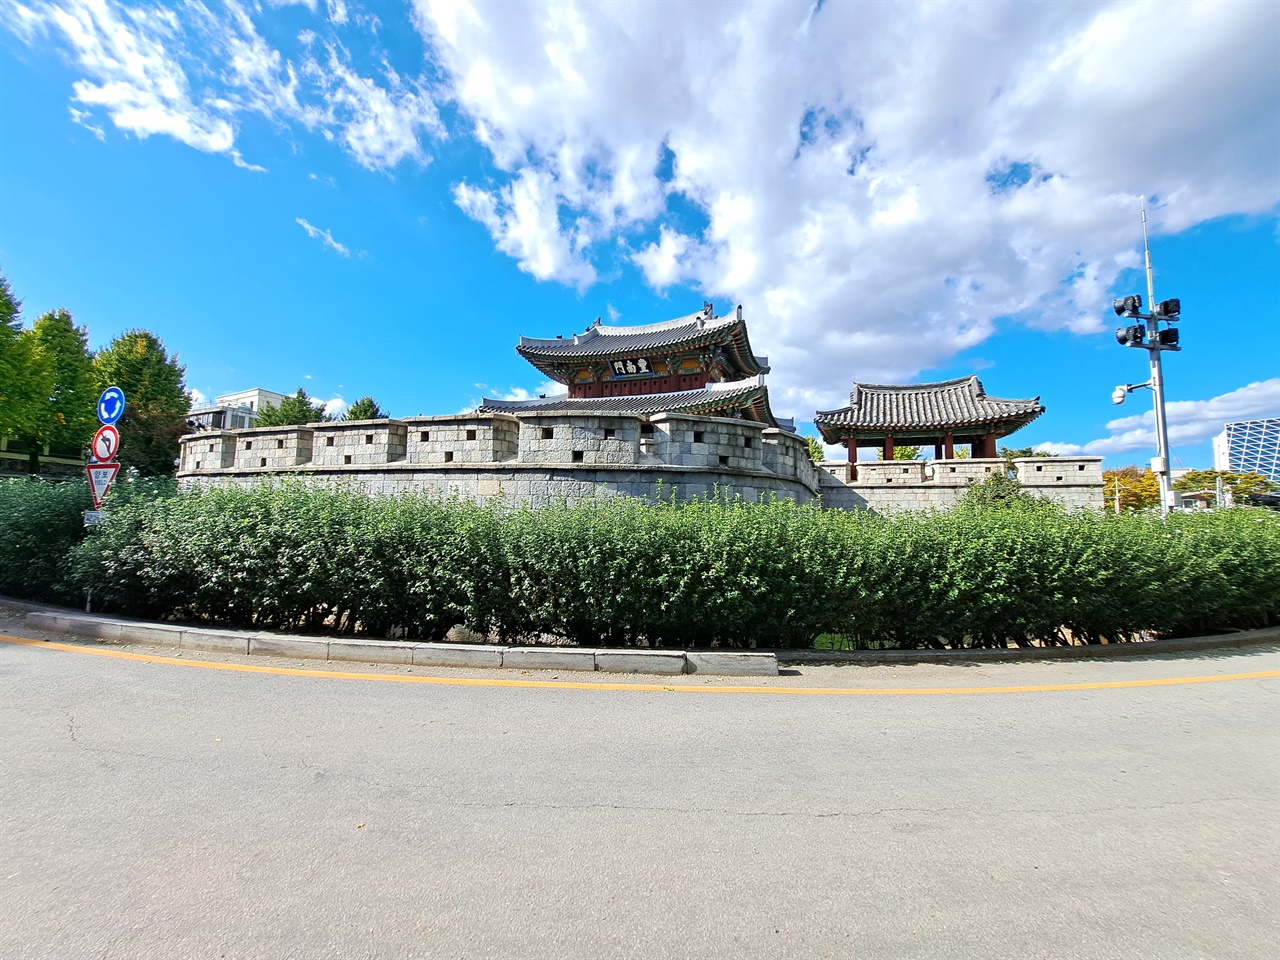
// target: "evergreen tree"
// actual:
[[293, 411], [816, 453], [156, 400], [366, 408], [67, 418], [26, 374]]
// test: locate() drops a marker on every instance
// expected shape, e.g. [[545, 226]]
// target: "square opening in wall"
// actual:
[[197, 464], [578, 456], [471, 434], [248, 444], [426, 436], [1059, 479], [279, 444], [746, 442], [697, 436], [328, 441], [1081, 467], [906, 469], [548, 433], [346, 458], [646, 429], [1039, 468], [262, 461], [448, 456], [724, 461], [211, 451], [988, 469], [610, 433], [368, 438], [952, 469]]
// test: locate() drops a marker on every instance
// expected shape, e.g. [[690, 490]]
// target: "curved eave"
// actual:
[[838, 425]]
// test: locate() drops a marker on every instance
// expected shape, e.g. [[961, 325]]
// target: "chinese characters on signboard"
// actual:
[[637, 367]]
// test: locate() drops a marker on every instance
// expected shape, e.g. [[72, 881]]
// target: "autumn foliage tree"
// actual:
[[156, 400], [1137, 489]]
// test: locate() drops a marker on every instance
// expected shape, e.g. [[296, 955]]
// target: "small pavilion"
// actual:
[[942, 415]]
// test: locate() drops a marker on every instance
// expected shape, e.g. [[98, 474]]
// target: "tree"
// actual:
[[816, 453], [66, 419], [902, 453], [293, 411], [25, 372], [1240, 484], [999, 491], [366, 408], [156, 400], [1137, 489], [1016, 453]]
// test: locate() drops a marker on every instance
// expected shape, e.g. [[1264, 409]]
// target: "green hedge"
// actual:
[[622, 572]]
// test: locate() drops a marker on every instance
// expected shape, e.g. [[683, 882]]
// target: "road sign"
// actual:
[[93, 518], [111, 405], [106, 443], [101, 476]]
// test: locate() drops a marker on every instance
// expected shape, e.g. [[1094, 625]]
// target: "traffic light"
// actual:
[[1131, 336], [1127, 306]]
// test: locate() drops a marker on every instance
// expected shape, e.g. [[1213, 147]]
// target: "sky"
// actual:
[[379, 198]]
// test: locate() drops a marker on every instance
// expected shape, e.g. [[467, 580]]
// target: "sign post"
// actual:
[[102, 467]]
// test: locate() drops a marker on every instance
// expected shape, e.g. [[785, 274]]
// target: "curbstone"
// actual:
[[303, 648], [371, 651], [93, 628], [732, 663], [550, 658], [151, 634], [641, 661], [457, 655], [39, 620], [215, 641]]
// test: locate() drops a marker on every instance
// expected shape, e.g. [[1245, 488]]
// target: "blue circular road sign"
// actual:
[[111, 405]]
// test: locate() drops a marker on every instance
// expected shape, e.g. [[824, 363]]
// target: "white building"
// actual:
[[233, 411], [1249, 446]]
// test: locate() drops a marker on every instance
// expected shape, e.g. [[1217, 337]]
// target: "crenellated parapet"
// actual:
[[536, 456], [897, 486]]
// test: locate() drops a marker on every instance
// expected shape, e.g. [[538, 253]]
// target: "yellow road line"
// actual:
[[651, 687]]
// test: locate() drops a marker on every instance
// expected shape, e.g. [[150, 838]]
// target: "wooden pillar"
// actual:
[[937, 451], [888, 446], [949, 445], [852, 444], [989, 445]]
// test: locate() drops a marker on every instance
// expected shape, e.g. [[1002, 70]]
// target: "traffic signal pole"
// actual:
[[1161, 466]]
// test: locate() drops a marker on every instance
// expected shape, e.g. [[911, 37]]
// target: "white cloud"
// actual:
[[198, 397], [523, 218], [877, 183], [1190, 421], [324, 236], [189, 72], [335, 408]]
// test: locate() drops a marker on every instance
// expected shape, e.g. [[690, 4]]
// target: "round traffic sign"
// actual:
[[111, 405], [106, 443]]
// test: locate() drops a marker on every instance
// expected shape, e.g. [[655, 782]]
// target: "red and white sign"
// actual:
[[106, 443], [101, 476]]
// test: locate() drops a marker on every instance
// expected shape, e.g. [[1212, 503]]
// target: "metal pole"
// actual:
[[1161, 464]]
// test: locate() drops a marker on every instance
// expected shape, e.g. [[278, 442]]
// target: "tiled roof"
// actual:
[[734, 394], [601, 342], [947, 405]]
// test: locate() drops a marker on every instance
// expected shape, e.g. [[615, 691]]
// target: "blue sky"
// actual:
[[379, 198]]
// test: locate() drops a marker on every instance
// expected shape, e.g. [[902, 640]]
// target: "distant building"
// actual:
[[232, 411], [1249, 446]]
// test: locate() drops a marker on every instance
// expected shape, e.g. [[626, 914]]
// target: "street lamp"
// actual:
[[1149, 336]]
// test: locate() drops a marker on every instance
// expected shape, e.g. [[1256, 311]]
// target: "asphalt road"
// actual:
[[152, 810]]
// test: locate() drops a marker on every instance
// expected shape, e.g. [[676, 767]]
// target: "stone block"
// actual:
[[550, 658], [371, 651], [93, 628], [641, 661], [152, 634], [215, 641], [457, 655], [732, 663], [271, 645]]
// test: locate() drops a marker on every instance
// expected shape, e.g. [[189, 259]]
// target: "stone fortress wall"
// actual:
[[542, 458]]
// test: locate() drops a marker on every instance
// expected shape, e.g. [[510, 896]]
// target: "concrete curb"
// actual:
[[207, 640], [1226, 641]]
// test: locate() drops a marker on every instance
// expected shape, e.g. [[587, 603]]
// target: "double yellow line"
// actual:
[[649, 687]]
